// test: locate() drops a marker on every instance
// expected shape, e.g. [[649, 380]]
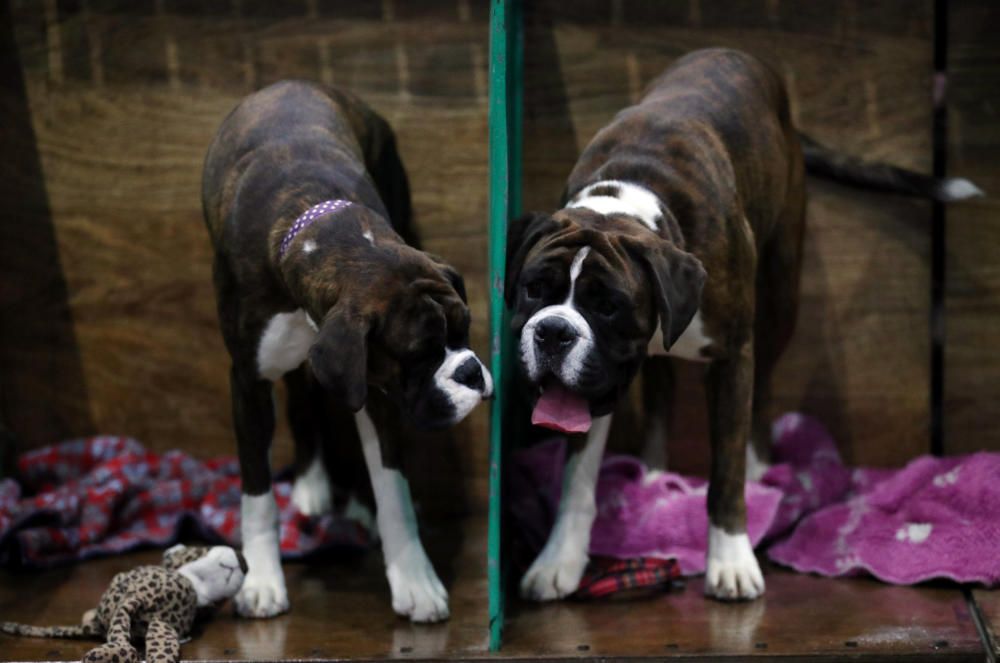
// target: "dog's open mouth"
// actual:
[[561, 410]]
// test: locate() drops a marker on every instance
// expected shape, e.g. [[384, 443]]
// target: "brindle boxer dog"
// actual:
[[307, 206], [682, 235]]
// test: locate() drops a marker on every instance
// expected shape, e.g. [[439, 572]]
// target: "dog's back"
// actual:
[[710, 99], [283, 140]]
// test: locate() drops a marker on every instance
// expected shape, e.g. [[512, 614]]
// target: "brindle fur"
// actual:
[[713, 140], [282, 150]]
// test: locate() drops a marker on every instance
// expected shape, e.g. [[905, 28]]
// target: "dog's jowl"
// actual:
[[320, 283], [681, 235]]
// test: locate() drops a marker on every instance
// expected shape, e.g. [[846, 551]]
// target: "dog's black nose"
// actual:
[[555, 335], [470, 373]]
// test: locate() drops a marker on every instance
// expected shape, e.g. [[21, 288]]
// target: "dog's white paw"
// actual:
[[417, 592], [732, 572], [311, 490], [262, 595], [555, 573]]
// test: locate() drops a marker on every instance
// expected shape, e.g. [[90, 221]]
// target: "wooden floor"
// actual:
[[341, 610], [801, 617]]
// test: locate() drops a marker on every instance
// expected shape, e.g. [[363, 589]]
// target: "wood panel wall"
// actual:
[[118, 103], [107, 319], [859, 75], [972, 285]]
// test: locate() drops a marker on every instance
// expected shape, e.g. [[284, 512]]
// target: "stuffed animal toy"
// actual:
[[155, 604]]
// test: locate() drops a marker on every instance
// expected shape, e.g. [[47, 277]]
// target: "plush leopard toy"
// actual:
[[155, 604]]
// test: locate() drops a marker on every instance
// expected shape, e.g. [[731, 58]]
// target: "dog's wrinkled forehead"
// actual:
[[430, 312], [606, 259]]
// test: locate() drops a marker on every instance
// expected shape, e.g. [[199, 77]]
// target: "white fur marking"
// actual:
[[731, 569], [756, 467], [557, 570], [688, 346], [367, 234], [959, 188], [359, 511], [417, 592], [632, 199], [311, 490], [263, 593], [462, 398], [285, 344], [308, 246], [574, 271]]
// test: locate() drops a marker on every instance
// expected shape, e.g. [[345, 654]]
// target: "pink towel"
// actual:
[[935, 518]]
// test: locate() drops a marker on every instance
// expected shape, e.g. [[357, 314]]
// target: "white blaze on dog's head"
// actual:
[[569, 368]]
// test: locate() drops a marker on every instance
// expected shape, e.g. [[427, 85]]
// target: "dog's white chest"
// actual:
[[285, 343], [688, 346]]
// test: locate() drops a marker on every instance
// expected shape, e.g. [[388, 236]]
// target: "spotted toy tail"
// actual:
[[825, 162], [79, 632]]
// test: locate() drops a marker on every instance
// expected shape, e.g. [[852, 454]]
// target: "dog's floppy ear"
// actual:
[[450, 273], [339, 356], [676, 278], [522, 234]]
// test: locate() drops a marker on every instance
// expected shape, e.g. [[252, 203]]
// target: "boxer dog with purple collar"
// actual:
[[319, 282], [681, 235]]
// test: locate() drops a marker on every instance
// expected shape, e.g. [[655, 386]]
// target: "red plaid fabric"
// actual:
[[103, 495], [606, 576]]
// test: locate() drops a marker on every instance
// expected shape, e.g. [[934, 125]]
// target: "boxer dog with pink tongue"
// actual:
[[681, 235]]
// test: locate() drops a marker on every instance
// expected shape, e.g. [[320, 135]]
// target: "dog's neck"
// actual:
[[350, 249], [620, 197], [617, 196]]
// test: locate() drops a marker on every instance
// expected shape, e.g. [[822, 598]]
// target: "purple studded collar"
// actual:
[[309, 217]]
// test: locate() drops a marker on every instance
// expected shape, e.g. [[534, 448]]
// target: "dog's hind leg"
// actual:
[[658, 403], [779, 269], [311, 492], [263, 593], [732, 570]]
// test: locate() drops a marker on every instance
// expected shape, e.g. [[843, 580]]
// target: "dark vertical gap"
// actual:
[[43, 395], [990, 646], [940, 147]]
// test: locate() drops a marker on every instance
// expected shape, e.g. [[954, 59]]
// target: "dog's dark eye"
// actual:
[[606, 307], [533, 290]]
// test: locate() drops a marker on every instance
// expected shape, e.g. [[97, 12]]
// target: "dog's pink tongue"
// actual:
[[561, 410]]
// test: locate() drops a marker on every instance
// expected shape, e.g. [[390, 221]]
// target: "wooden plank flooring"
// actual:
[[801, 617], [341, 610], [989, 609]]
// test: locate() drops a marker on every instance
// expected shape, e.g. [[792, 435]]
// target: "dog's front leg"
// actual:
[[557, 570], [417, 592], [732, 571], [263, 593]]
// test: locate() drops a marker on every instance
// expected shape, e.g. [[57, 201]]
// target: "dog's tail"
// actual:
[[825, 162], [78, 632]]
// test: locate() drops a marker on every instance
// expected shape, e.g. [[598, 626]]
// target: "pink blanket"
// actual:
[[934, 518]]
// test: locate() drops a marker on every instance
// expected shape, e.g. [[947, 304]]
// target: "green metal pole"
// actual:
[[505, 200]]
